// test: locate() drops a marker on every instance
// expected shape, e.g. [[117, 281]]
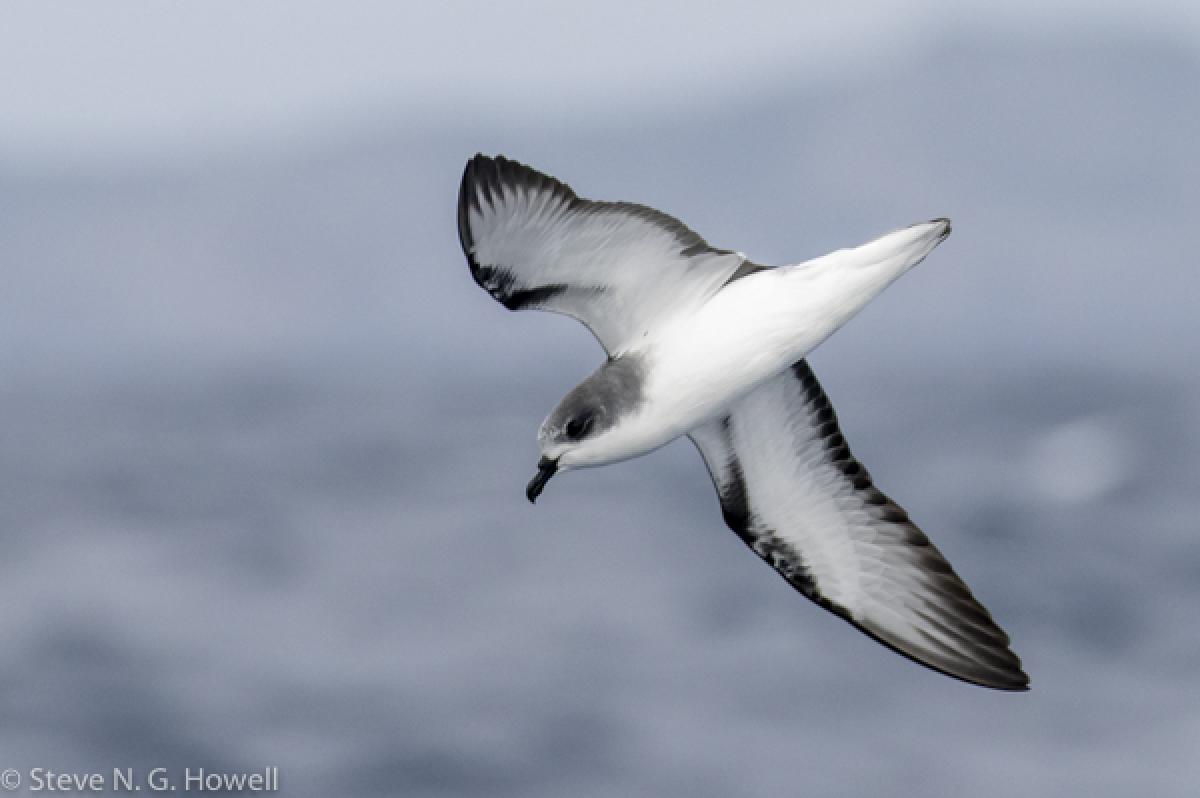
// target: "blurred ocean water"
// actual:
[[264, 446]]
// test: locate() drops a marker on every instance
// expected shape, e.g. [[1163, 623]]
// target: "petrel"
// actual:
[[705, 343]]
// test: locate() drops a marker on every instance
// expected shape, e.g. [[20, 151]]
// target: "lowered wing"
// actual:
[[791, 489]]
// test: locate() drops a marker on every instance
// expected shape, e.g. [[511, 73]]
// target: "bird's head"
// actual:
[[582, 430]]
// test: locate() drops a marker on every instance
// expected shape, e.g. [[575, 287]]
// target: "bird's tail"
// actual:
[[811, 300]]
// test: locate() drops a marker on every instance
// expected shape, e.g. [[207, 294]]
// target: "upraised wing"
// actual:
[[620, 268], [791, 489]]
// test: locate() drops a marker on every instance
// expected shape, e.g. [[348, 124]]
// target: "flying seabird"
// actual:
[[705, 343]]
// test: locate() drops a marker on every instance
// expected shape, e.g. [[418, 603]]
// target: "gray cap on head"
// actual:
[[591, 408]]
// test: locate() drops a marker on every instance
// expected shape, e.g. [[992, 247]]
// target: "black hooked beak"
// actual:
[[546, 469]]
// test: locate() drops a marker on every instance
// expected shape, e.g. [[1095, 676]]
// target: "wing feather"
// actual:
[[791, 489], [618, 267]]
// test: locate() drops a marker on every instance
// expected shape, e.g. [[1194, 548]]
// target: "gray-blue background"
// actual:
[[264, 445]]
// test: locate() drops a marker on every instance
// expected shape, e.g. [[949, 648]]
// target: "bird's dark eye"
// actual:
[[578, 426]]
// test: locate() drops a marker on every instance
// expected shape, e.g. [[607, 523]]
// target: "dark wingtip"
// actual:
[[482, 179], [1019, 684], [466, 200], [1020, 679]]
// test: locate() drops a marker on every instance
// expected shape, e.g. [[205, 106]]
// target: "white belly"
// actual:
[[754, 328]]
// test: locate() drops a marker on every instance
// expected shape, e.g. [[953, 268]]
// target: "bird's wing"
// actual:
[[618, 267], [791, 489]]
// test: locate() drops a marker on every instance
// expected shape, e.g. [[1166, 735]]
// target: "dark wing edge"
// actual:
[[984, 657], [488, 175]]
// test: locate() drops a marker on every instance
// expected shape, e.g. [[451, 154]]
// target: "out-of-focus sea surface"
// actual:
[[264, 443]]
